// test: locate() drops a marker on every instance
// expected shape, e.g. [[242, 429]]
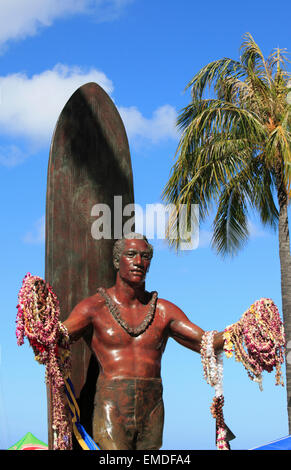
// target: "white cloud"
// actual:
[[22, 18], [30, 107], [37, 234], [160, 126]]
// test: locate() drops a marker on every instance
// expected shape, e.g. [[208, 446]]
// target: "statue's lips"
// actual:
[[139, 272]]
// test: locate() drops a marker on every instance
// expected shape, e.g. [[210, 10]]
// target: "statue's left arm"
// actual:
[[186, 333]]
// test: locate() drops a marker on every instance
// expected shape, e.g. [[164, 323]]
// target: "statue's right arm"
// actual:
[[78, 320]]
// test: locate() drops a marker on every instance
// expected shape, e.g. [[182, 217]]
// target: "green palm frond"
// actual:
[[230, 223], [211, 73], [243, 190], [200, 120], [253, 59], [278, 60], [235, 146]]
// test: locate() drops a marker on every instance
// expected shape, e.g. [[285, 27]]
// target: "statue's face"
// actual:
[[134, 261]]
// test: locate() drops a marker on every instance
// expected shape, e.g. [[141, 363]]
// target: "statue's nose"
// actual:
[[138, 259]]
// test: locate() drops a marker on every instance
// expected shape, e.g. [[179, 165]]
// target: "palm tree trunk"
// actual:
[[285, 263]]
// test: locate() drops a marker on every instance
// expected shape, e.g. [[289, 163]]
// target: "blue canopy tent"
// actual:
[[280, 444]]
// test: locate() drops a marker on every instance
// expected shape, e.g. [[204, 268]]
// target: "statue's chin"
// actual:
[[134, 281]]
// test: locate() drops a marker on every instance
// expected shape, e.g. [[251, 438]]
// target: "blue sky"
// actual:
[[143, 53]]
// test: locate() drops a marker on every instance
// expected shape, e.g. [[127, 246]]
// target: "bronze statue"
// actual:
[[130, 332]]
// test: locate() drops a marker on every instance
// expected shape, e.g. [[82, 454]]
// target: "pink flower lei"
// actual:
[[258, 341], [38, 319]]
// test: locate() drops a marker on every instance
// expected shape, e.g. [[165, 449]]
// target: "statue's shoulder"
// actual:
[[170, 310], [166, 305], [94, 302], [98, 299]]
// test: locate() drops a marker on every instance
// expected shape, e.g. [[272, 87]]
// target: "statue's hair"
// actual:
[[119, 245]]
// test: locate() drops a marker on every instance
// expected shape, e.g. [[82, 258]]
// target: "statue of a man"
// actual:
[[130, 332]]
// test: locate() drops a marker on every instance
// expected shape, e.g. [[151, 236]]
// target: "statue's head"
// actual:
[[125, 243]]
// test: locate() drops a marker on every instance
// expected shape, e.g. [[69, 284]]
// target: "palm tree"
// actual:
[[235, 153]]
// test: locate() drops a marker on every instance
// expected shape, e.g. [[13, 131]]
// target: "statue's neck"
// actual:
[[127, 293]]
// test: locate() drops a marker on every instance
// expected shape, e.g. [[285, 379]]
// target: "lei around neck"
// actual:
[[143, 326]]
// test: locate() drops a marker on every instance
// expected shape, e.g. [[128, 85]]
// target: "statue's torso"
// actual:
[[122, 355]]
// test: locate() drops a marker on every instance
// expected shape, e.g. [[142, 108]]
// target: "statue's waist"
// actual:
[[129, 383]]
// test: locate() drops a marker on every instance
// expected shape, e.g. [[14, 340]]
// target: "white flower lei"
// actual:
[[212, 363], [213, 373]]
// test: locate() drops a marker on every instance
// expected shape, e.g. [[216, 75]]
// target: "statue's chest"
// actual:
[[140, 328]]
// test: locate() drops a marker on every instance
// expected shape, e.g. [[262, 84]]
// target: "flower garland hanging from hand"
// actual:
[[38, 320], [213, 373], [258, 341]]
